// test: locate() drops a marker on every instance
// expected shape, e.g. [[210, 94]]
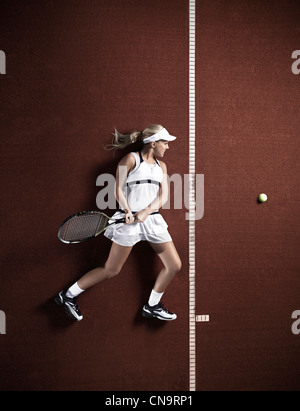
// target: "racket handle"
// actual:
[[120, 220]]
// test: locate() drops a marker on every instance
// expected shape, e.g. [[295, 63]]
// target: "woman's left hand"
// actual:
[[141, 216], [129, 218]]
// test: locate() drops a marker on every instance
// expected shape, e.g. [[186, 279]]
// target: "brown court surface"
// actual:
[[76, 70]]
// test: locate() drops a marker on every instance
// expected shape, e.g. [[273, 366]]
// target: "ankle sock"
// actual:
[[74, 291], [154, 298]]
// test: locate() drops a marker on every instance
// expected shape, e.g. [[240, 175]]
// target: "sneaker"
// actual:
[[69, 304], [158, 311]]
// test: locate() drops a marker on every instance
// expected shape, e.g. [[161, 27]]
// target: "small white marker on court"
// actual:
[[202, 318]]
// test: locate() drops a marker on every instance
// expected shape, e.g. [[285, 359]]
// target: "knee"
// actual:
[[112, 271], [176, 266]]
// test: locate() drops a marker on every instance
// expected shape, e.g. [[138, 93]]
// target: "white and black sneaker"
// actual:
[[158, 311], [69, 304]]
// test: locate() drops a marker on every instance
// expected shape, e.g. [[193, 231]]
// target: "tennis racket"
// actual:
[[85, 225]]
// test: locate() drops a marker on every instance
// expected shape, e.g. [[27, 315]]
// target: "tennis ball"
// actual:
[[262, 198]]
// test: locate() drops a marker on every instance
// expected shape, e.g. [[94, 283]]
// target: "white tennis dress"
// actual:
[[141, 188]]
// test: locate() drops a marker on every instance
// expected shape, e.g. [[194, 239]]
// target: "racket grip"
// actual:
[[120, 220]]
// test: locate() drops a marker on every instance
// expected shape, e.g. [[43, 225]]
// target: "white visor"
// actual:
[[161, 135]]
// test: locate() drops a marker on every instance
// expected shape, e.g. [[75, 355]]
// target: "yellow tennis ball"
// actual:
[[262, 197]]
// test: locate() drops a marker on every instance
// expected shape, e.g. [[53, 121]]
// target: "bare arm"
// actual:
[[126, 164]]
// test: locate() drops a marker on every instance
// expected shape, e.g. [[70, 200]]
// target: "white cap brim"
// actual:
[[170, 138], [161, 135]]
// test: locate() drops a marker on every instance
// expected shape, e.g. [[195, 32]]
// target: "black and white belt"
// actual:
[[143, 182], [134, 212]]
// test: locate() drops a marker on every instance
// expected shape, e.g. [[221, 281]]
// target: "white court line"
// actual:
[[192, 197]]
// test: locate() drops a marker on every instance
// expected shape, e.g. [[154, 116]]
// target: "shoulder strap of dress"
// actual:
[[141, 158], [137, 161], [157, 162]]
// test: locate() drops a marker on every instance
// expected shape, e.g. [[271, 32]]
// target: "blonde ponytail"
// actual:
[[121, 141]]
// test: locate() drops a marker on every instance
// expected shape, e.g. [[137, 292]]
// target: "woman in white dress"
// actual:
[[141, 190]]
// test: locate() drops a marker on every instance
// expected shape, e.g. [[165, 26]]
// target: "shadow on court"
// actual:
[[93, 253]]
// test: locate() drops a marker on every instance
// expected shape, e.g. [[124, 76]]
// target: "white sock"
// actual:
[[154, 298], [74, 291]]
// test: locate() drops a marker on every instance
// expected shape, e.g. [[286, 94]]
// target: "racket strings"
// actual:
[[83, 226]]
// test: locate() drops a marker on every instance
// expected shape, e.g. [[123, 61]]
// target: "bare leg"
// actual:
[[172, 264], [116, 259]]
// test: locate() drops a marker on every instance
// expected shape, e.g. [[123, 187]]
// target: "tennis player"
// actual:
[[140, 191]]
